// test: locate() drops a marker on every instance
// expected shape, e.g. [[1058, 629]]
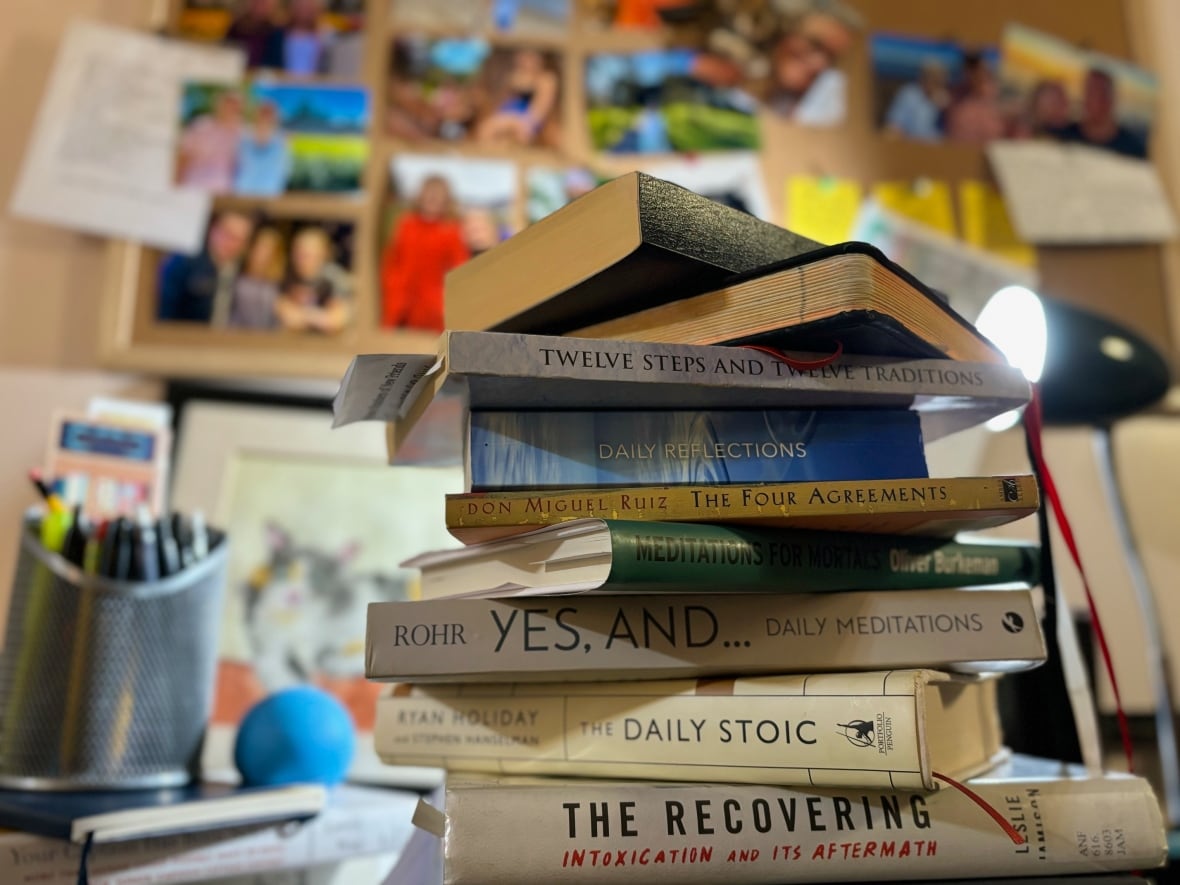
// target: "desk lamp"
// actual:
[[1093, 371]]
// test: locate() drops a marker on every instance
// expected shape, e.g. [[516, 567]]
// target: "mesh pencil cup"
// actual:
[[106, 684]]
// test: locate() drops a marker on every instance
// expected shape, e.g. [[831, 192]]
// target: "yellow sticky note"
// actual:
[[924, 201], [822, 208], [986, 223]]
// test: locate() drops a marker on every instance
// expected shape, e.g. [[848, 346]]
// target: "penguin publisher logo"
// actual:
[[858, 732], [1012, 622]]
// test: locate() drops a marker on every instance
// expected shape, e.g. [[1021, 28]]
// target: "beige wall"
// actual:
[[49, 278]]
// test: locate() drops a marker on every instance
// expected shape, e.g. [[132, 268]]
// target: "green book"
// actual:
[[612, 556]]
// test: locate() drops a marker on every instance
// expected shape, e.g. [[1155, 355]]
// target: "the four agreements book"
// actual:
[[933, 507]]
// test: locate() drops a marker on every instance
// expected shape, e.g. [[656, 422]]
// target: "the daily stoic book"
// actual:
[[603, 832], [426, 398], [933, 506], [642, 636], [633, 242], [874, 728], [563, 449], [627, 556]]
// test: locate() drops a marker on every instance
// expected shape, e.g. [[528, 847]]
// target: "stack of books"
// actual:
[[712, 622]]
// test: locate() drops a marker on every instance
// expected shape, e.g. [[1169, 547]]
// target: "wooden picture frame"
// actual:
[[131, 339]]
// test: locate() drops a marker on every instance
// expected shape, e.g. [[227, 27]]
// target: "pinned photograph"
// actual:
[[937, 90], [624, 15], [450, 16], [789, 55], [463, 89], [548, 189], [298, 37], [260, 274], [1059, 91], [444, 211], [733, 180], [549, 18], [264, 139], [667, 100]]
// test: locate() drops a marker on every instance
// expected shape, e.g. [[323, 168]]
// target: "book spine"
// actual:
[[338, 834], [701, 556], [603, 832], [694, 369], [815, 729], [898, 506], [667, 636], [530, 450]]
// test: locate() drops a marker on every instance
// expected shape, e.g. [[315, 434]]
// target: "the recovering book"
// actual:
[[426, 398], [551, 449], [638, 636], [884, 729], [625, 556], [1053, 821], [926, 506]]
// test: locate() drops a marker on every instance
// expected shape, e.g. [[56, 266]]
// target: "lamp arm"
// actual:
[[1156, 649]]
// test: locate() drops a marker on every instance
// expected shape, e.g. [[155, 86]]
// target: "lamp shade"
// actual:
[[1096, 370]]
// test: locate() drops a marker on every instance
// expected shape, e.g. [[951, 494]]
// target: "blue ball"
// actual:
[[297, 735]]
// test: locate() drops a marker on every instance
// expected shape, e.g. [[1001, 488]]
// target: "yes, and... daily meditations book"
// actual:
[[646, 636]]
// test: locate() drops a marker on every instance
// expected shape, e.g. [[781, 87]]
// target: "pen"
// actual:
[[145, 555], [113, 547], [93, 552], [184, 543], [51, 498], [200, 535], [169, 549], [73, 546]]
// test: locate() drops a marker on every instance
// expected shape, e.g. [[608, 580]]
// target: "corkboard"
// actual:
[[1126, 282]]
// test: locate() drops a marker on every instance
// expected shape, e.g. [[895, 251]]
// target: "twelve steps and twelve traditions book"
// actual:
[[425, 399], [604, 637], [631, 243], [614, 556], [883, 729]]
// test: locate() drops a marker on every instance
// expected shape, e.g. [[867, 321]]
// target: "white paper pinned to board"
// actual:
[[100, 159]]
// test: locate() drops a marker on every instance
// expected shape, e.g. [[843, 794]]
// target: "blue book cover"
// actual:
[[533, 450]]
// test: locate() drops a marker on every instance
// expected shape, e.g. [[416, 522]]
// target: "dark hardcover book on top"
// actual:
[[849, 295], [632, 243]]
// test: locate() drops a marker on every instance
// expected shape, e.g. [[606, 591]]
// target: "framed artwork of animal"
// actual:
[[318, 524]]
